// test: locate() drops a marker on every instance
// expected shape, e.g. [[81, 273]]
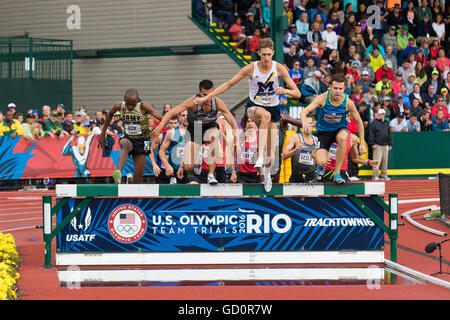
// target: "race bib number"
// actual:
[[305, 158], [266, 100], [332, 118], [332, 152], [179, 152], [146, 145], [133, 129]]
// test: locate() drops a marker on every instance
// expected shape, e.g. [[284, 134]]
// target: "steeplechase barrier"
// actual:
[[225, 224]]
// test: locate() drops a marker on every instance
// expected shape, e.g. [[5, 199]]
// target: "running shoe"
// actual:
[[259, 163], [320, 173], [338, 179], [173, 180], [211, 179], [267, 182], [117, 176]]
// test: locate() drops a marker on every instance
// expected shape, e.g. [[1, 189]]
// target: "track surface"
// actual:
[[21, 211]]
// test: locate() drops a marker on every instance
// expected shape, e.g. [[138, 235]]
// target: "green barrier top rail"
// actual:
[[220, 190]]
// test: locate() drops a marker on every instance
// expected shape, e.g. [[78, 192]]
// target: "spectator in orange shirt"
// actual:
[[254, 45]]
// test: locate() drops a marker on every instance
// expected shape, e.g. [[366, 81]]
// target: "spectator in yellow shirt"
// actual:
[[376, 60], [9, 126]]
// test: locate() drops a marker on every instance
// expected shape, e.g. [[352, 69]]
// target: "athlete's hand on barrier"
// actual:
[[362, 148], [180, 173], [169, 171], [233, 177], [156, 170]]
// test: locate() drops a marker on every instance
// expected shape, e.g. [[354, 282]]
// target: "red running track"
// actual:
[[21, 211]]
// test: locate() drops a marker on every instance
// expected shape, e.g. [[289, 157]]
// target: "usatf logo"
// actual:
[[127, 223]]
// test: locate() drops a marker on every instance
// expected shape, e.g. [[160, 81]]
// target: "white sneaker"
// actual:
[[354, 179], [259, 163], [375, 178], [211, 179], [385, 178], [173, 180], [267, 182]]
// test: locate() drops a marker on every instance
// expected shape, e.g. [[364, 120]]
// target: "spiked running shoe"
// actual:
[[117, 176], [338, 179]]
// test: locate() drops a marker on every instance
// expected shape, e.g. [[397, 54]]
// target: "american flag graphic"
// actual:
[[127, 218]]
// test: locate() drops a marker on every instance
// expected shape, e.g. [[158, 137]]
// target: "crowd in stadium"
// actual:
[[402, 65]]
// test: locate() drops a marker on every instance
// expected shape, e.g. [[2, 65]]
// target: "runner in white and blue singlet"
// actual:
[[262, 107]]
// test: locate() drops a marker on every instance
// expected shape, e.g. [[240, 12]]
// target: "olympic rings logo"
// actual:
[[128, 229]]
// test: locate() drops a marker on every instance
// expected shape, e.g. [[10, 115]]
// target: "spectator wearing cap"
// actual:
[[335, 22], [61, 109], [330, 36], [291, 38], [385, 69], [257, 9], [381, 142], [402, 39], [395, 17], [425, 29], [370, 96], [425, 46], [250, 26], [439, 106], [439, 122], [354, 71], [309, 68], [321, 10], [398, 107], [364, 82], [445, 83], [410, 48], [10, 126], [383, 83], [410, 82], [311, 87], [434, 47], [390, 39], [307, 54], [12, 107], [437, 85], [32, 130], [53, 126], [95, 127], [398, 124], [365, 66]]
